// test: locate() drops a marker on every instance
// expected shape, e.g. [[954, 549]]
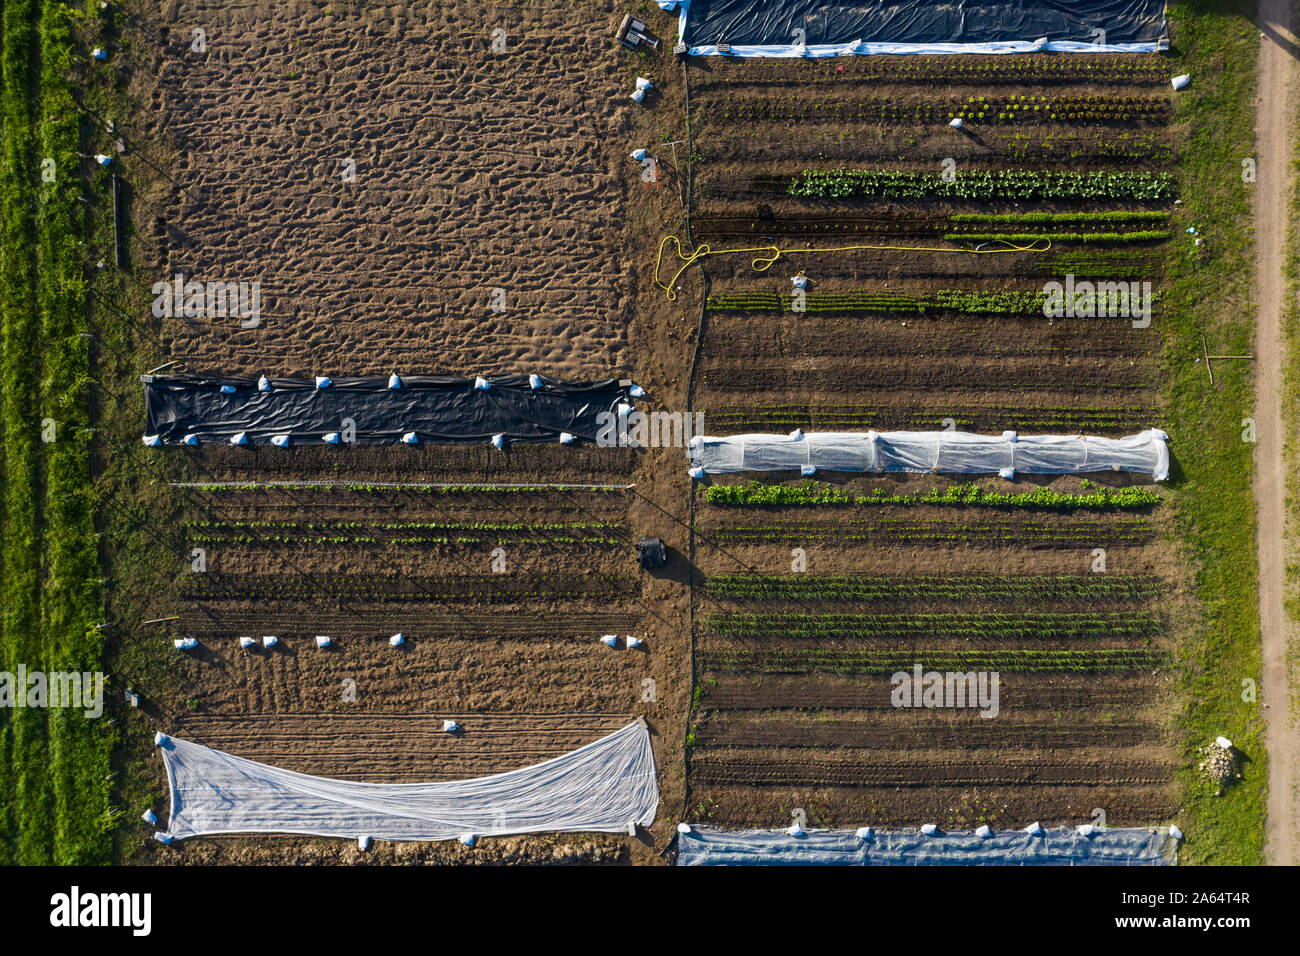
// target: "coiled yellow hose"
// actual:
[[772, 253]]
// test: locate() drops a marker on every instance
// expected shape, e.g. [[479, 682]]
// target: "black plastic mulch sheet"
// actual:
[[439, 409], [773, 22]]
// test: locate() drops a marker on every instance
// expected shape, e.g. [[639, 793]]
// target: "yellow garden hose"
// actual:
[[772, 253]]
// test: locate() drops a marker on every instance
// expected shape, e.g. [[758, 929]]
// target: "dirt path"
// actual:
[[1277, 70]]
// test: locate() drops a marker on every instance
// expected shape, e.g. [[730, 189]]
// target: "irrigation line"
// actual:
[[690, 515], [349, 485]]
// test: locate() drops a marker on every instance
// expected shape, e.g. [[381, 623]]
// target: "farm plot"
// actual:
[[500, 595], [400, 191], [407, 199], [927, 253]]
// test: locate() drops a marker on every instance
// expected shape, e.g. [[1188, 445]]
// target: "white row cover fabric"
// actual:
[[933, 452], [1059, 846], [603, 787]]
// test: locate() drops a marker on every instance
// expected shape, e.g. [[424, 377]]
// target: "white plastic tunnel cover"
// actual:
[[601, 787], [932, 452], [866, 846]]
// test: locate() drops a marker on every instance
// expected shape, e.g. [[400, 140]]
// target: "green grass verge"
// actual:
[[1212, 497], [56, 760]]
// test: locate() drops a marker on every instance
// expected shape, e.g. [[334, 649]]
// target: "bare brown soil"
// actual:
[[473, 171]]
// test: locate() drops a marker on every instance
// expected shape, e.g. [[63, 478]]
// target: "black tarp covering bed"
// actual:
[[773, 22], [439, 409]]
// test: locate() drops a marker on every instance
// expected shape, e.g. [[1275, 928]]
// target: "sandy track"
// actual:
[[1277, 71]]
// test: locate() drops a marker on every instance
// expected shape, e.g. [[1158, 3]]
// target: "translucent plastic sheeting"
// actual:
[[606, 787], [819, 28], [938, 452], [435, 409], [1062, 846]]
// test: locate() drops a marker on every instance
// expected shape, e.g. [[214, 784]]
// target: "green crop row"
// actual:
[[1047, 625], [852, 300], [833, 660], [1029, 534], [1109, 238], [388, 489], [1103, 215], [757, 494], [1041, 589], [983, 185]]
